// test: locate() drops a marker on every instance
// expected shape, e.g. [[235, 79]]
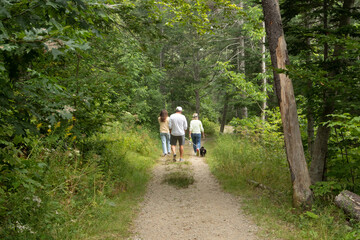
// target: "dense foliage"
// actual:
[[71, 68]]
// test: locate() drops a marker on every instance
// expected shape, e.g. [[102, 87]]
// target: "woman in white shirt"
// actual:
[[164, 131], [196, 128]]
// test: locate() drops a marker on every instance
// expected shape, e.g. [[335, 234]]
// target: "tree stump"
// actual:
[[350, 203]]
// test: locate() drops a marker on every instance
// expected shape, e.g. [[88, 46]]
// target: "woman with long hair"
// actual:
[[164, 131]]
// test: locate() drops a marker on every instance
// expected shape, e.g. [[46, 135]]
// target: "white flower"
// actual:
[[77, 152], [23, 228], [37, 199]]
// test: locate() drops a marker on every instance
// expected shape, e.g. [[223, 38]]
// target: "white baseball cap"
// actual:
[[179, 109]]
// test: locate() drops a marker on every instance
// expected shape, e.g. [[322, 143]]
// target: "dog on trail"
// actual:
[[202, 151]]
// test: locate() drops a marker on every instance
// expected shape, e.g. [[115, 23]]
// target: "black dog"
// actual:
[[202, 151]]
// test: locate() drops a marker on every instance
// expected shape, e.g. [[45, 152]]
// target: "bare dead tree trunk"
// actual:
[[350, 203], [318, 162], [263, 71], [302, 195]]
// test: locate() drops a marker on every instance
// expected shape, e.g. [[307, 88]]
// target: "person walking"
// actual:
[[178, 126], [164, 131], [196, 128]]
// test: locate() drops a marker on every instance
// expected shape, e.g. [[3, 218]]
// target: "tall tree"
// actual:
[[317, 167], [300, 177], [263, 71]]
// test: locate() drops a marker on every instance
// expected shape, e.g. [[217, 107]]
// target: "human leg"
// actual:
[[181, 146], [168, 143], [181, 151], [193, 137], [198, 142], [163, 142], [173, 145]]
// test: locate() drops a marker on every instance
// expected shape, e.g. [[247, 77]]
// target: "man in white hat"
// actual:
[[177, 126]]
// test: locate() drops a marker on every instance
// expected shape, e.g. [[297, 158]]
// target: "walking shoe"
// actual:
[[197, 152], [174, 158], [181, 160]]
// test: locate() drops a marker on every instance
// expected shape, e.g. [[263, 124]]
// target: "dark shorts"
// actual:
[[174, 139]]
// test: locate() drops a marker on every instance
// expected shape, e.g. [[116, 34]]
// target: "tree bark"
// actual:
[[318, 162], [223, 120], [309, 94], [241, 59], [263, 71], [197, 96], [320, 147], [310, 131], [196, 81], [350, 203], [302, 195], [244, 112]]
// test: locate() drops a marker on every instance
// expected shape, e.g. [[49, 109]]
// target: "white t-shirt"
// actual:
[[177, 124], [196, 126]]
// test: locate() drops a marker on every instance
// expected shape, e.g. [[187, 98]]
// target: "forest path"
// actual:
[[202, 211]]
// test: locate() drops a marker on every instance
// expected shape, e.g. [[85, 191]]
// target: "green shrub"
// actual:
[[210, 128], [52, 193], [267, 132]]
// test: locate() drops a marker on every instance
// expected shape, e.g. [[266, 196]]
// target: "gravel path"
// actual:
[[202, 211]]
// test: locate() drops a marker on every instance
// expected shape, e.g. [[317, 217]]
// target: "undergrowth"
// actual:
[[237, 159], [88, 190]]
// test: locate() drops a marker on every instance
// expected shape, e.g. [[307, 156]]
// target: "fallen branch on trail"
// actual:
[[350, 203]]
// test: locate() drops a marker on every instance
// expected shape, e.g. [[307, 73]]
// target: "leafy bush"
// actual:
[[265, 132], [210, 128], [51, 193], [344, 152], [326, 191]]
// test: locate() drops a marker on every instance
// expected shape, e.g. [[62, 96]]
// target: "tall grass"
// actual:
[[235, 160], [88, 191], [243, 160]]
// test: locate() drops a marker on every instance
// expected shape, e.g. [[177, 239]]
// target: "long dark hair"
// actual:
[[163, 115]]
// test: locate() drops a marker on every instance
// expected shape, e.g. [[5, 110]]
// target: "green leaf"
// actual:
[[311, 215]]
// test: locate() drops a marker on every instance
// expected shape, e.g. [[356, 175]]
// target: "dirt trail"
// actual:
[[203, 211]]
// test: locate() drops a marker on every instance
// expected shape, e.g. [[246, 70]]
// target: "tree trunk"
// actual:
[[196, 81], [244, 112], [350, 203], [317, 166], [263, 71], [302, 195], [223, 120], [309, 94], [197, 96], [318, 162], [241, 59], [310, 131]]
